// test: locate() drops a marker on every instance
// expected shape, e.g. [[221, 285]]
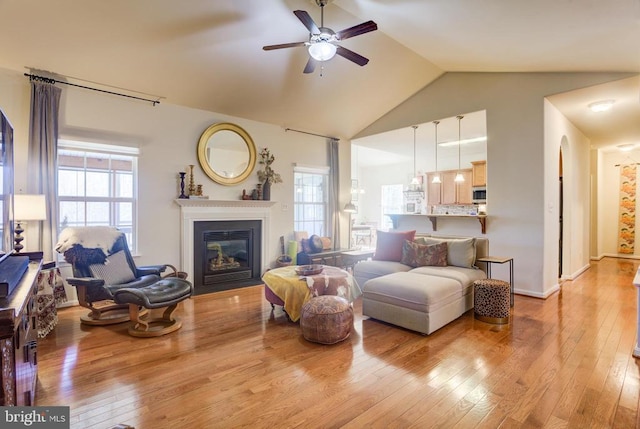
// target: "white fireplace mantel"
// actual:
[[196, 210]]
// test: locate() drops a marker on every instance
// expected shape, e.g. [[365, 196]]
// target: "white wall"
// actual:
[[560, 133], [372, 179], [516, 159], [167, 136], [609, 203]]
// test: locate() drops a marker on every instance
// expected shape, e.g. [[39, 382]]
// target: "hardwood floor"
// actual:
[[562, 362]]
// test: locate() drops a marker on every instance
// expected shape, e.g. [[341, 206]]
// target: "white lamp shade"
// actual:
[[459, 178], [322, 51], [29, 207], [436, 179]]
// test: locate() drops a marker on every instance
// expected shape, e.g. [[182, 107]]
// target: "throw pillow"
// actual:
[[315, 242], [460, 252], [389, 244], [421, 255], [115, 271], [305, 245]]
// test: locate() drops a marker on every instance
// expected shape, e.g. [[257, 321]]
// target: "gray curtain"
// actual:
[[43, 155], [334, 193]]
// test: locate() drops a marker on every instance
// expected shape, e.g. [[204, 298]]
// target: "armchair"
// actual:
[[102, 264]]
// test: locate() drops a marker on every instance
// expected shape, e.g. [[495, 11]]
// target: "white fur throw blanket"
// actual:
[[89, 237]]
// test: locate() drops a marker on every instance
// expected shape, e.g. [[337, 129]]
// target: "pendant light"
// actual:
[[415, 184], [436, 177], [459, 176]]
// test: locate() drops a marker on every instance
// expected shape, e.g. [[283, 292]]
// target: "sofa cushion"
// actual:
[[418, 255], [414, 291], [366, 270], [389, 244], [465, 276], [460, 252]]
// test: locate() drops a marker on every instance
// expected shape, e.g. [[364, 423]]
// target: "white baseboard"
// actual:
[[544, 295], [615, 255], [577, 273]]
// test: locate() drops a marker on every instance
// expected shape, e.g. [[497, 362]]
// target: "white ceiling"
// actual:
[[207, 54]]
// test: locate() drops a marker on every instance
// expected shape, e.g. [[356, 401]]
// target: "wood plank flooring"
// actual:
[[563, 362]]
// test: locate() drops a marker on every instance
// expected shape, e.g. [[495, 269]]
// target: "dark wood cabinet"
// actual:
[[19, 341]]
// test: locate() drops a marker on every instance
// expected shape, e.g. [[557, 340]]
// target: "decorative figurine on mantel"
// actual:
[[267, 176]]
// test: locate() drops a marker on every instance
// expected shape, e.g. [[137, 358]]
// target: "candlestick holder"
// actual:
[[192, 184], [182, 175]]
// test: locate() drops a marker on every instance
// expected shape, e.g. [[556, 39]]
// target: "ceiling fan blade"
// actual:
[[283, 45], [357, 30], [311, 66], [352, 56], [307, 21]]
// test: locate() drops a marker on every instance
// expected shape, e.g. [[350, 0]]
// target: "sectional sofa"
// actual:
[[422, 293]]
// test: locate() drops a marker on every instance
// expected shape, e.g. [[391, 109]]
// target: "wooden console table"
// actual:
[[19, 341]]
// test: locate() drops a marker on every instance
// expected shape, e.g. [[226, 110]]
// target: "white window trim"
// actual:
[[110, 149]]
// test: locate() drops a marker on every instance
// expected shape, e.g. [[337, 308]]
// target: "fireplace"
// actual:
[[226, 254], [195, 211]]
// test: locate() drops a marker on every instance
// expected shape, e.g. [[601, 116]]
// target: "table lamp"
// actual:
[[27, 207], [350, 208]]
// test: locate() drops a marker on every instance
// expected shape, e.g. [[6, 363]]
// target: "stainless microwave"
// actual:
[[479, 195]]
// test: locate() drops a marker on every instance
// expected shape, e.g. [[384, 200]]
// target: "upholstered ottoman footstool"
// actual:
[[492, 301], [166, 293], [415, 301], [326, 319]]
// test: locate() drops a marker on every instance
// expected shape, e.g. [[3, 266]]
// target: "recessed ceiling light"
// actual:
[[626, 147], [601, 106]]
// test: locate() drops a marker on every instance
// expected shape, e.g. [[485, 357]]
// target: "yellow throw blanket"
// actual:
[[295, 291]]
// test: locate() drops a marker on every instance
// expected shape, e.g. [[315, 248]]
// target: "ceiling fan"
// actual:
[[322, 40]]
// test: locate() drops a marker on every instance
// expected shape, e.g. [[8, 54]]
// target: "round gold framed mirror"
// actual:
[[226, 153]]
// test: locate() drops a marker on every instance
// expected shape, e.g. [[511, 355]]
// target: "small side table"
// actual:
[[499, 260]]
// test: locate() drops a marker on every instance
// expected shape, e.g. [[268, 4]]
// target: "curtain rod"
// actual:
[[54, 81], [312, 134]]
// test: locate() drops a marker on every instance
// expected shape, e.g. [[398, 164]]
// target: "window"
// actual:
[[310, 200], [392, 198], [97, 186]]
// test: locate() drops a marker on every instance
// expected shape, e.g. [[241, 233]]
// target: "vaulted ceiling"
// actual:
[[208, 54]]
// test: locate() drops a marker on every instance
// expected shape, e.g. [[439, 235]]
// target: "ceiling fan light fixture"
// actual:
[[322, 51]]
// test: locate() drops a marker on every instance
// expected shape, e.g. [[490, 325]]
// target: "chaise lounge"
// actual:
[[420, 283]]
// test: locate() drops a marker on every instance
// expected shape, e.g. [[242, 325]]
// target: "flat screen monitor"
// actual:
[[6, 183]]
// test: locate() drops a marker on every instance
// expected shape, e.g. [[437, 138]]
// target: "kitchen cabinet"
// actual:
[[479, 173], [449, 191]]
